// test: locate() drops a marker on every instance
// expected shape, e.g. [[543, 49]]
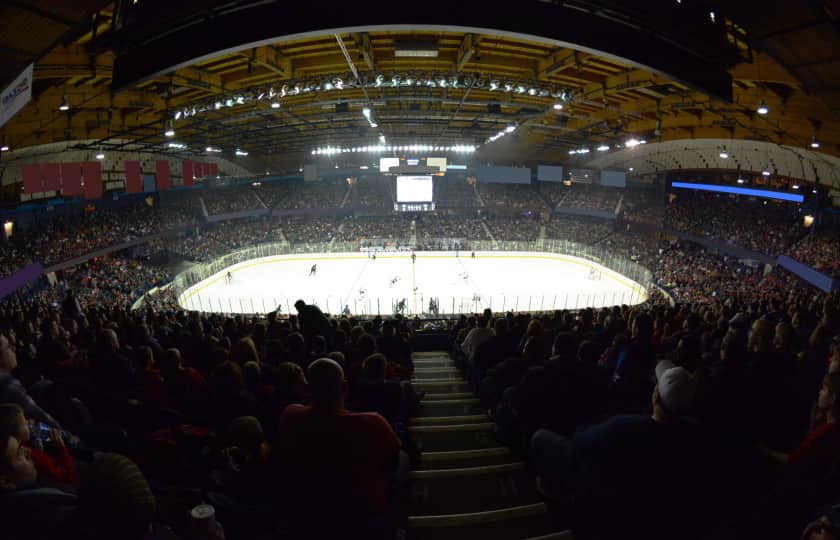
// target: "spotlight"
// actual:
[[395, 80], [740, 180], [494, 84], [814, 142], [630, 169], [275, 104], [382, 139], [558, 106], [724, 155], [170, 130], [338, 83], [178, 115], [4, 148], [795, 186], [532, 91], [241, 152], [765, 173], [603, 148], [520, 89], [65, 105], [510, 129], [632, 143], [366, 113], [100, 155], [762, 108], [508, 87], [374, 125], [379, 80]]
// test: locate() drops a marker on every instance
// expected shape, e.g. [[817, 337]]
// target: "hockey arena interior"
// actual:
[[528, 271]]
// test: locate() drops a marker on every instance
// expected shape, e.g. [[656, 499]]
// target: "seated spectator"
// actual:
[[331, 458], [626, 463], [12, 391], [115, 501], [58, 467], [30, 507], [373, 393], [186, 389]]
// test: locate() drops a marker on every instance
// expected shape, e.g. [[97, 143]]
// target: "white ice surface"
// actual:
[[500, 280]]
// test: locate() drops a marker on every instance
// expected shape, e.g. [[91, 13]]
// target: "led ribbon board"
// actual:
[[762, 193]]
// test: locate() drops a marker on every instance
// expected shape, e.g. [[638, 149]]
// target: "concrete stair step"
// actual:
[[471, 489], [449, 407], [446, 396], [464, 419], [512, 523], [436, 438], [435, 369], [421, 376], [464, 458], [442, 386]]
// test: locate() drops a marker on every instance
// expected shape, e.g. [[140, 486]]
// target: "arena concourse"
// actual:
[[369, 275]]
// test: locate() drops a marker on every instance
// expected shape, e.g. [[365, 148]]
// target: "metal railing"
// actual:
[[633, 293]]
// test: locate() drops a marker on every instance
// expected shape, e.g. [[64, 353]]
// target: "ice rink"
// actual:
[[519, 281]]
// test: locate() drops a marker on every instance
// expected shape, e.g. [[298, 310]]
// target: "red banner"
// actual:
[[162, 169], [92, 173], [51, 172], [199, 170], [71, 179], [187, 172], [32, 182], [133, 181]]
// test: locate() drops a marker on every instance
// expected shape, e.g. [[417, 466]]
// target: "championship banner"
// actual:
[[16, 95]]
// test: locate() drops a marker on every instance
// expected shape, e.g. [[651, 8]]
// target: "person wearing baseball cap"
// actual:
[[628, 461]]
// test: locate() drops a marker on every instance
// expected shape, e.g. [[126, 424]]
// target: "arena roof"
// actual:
[[468, 83]]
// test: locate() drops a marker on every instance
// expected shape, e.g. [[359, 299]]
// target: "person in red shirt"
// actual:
[[57, 465], [329, 458]]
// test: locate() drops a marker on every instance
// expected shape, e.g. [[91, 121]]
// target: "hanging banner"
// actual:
[[16, 95]]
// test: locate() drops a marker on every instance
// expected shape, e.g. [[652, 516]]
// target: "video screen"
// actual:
[[438, 162], [387, 162], [414, 189]]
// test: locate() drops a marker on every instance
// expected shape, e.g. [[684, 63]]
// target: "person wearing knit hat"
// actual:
[[115, 499]]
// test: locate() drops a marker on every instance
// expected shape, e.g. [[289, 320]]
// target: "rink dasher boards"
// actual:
[[519, 281]]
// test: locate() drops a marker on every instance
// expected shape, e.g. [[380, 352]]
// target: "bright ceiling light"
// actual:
[[630, 169], [795, 186], [603, 148], [765, 173], [494, 84], [65, 105], [366, 112], [724, 155], [814, 142], [379, 80], [170, 129], [275, 104], [4, 148], [176, 145], [510, 129], [241, 152], [382, 139], [374, 125], [632, 143], [762, 108], [740, 180], [100, 155], [558, 106]]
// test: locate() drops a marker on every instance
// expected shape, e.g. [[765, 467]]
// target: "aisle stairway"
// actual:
[[467, 485]]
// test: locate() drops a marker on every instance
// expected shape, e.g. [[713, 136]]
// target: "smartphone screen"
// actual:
[[44, 431]]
